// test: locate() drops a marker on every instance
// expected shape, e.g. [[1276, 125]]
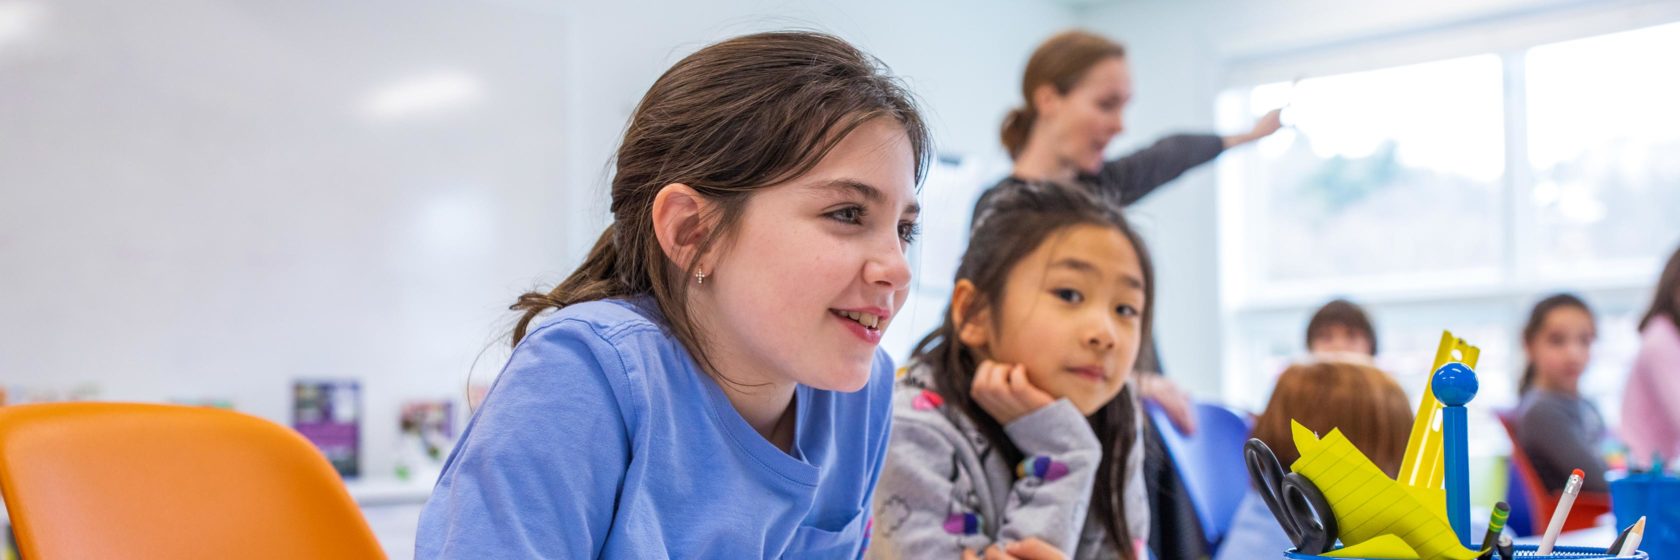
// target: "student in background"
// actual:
[[1015, 429], [1651, 404], [1557, 429], [707, 384], [1341, 328], [1363, 402]]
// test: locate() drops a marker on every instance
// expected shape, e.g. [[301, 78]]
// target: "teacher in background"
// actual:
[[1075, 92]]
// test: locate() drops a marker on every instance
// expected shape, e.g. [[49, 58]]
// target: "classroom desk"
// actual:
[[392, 509]]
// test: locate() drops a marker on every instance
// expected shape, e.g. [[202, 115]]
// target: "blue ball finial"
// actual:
[[1454, 384]]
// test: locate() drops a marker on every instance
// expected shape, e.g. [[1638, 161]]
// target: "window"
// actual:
[[1454, 194], [1415, 152], [1604, 149]]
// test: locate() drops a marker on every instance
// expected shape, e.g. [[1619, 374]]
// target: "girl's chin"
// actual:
[[844, 378], [843, 383]]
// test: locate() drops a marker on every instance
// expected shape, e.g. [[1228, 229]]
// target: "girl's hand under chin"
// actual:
[[1005, 393], [1030, 549]]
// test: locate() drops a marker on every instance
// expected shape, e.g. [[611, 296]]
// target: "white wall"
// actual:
[[197, 199], [198, 202], [963, 59]]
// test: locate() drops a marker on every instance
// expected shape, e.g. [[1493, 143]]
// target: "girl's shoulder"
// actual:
[[617, 332], [608, 318], [1660, 331], [614, 341], [917, 400]]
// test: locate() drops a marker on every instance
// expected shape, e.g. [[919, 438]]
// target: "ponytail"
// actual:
[[596, 279], [1016, 126]]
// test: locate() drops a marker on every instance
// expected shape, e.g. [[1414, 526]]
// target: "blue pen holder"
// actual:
[[1657, 497], [1522, 550]]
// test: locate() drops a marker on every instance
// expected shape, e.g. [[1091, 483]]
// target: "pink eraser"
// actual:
[[1577, 472]]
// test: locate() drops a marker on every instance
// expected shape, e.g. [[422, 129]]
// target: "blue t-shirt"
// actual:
[[601, 438]]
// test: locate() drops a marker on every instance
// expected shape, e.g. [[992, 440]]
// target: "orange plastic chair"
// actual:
[[117, 480], [1588, 505]]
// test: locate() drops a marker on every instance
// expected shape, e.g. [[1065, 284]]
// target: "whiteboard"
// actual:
[[205, 200]]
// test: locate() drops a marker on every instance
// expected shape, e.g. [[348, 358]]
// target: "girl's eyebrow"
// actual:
[[1076, 265], [866, 190], [1088, 269]]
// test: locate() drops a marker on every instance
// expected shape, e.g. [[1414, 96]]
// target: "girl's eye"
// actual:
[[849, 215], [1069, 295], [1127, 311], [908, 231]]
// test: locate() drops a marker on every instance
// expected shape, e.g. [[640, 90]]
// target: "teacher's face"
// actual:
[[1089, 115]]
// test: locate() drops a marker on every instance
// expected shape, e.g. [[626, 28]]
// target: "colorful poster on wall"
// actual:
[[329, 414], [428, 431]]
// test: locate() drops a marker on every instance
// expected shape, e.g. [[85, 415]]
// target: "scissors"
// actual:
[[1296, 503]]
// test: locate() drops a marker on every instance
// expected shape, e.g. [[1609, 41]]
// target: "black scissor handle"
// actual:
[[1297, 504]]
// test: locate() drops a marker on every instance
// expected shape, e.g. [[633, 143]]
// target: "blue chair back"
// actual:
[[1210, 462]]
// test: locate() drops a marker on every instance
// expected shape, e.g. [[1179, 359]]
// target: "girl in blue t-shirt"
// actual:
[[707, 382]]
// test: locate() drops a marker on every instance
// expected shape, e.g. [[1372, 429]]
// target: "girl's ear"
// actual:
[[680, 224], [973, 331]]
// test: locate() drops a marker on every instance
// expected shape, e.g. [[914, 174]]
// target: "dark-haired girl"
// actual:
[[1016, 426]]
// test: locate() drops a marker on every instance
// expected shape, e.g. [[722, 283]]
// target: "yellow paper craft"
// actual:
[[1367, 504], [1387, 547]]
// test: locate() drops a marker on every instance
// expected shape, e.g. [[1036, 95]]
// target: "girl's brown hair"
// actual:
[[729, 120], [1667, 299], [1016, 218], [1345, 313], [1061, 61], [1361, 401]]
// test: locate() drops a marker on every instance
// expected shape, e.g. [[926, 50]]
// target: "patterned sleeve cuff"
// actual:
[[1041, 467]]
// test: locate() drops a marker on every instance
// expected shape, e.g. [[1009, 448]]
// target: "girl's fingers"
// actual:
[[980, 376], [1018, 383], [1016, 380], [993, 380], [1024, 392], [986, 385], [1034, 549], [1004, 391], [995, 552]]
